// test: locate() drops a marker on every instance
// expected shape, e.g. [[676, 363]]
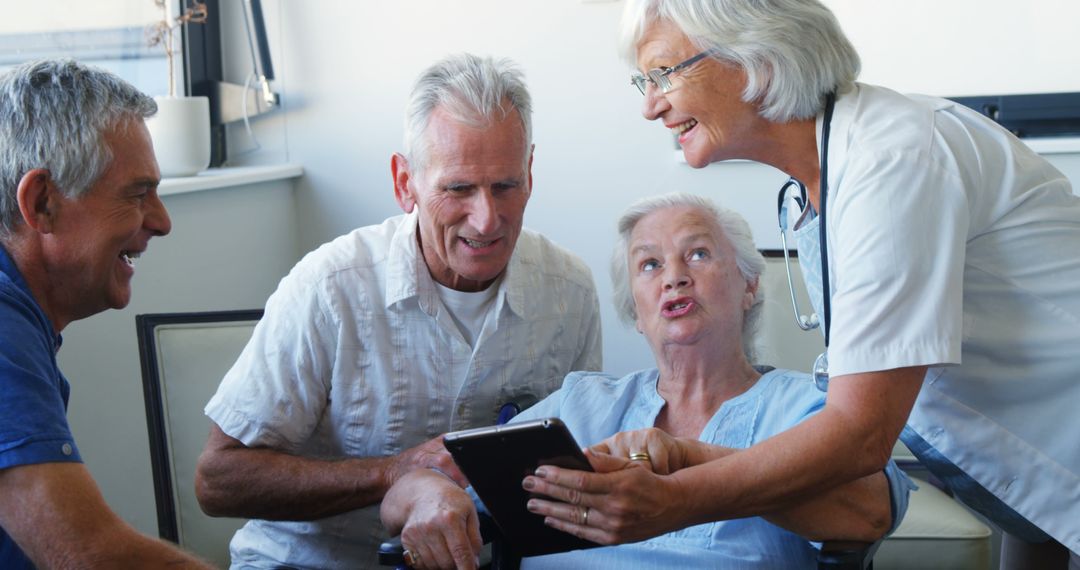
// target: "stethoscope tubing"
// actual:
[[806, 323]]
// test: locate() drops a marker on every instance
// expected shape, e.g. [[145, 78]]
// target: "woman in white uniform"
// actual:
[[952, 298]]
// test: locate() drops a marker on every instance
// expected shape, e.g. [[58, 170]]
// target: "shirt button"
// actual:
[[66, 449]]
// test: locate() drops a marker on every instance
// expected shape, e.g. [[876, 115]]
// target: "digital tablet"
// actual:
[[496, 459]]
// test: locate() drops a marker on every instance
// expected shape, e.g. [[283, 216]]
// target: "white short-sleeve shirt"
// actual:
[[356, 357], [953, 245]]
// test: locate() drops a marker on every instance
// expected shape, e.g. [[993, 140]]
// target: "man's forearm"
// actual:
[[132, 551], [267, 484], [56, 514], [235, 480]]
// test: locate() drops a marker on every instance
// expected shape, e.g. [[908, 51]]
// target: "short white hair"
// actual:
[[793, 51], [474, 90]]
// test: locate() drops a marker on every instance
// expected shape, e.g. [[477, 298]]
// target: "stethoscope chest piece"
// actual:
[[821, 371]]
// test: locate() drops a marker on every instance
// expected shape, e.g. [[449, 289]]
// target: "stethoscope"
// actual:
[[811, 322]]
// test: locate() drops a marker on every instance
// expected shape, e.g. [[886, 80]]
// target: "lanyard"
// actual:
[[823, 189]]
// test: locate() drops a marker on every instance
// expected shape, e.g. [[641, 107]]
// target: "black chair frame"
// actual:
[[159, 444]]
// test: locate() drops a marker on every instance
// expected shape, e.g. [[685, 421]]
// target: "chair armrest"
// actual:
[[846, 555], [392, 553], [834, 555]]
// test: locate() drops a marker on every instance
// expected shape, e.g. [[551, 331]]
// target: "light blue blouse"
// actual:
[[595, 406]]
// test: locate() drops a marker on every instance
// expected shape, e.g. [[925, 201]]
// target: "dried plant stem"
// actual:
[[162, 33], [169, 57]]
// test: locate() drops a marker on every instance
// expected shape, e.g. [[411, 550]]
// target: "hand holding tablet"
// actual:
[[496, 459]]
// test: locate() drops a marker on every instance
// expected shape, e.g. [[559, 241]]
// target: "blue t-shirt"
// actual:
[[33, 392], [595, 406]]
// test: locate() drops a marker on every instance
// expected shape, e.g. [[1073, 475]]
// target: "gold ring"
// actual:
[[411, 558], [585, 517], [640, 456]]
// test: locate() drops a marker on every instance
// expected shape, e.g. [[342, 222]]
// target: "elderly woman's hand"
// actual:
[[622, 502], [656, 449], [436, 518], [652, 448]]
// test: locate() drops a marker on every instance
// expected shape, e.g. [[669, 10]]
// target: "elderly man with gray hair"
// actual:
[[78, 204], [383, 339]]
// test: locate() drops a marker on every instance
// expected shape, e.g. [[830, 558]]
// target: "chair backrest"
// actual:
[[184, 356]]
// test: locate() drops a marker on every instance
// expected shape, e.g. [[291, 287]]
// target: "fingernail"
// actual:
[[541, 472], [531, 505], [528, 483]]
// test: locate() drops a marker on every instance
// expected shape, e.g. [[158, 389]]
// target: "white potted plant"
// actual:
[[181, 128]]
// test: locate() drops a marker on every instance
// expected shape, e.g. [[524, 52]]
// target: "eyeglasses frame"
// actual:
[[659, 76]]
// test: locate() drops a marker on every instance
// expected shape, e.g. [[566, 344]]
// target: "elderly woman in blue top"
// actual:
[[686, 273]]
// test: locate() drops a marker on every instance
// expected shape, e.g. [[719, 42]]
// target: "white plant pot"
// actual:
[[181, 134]]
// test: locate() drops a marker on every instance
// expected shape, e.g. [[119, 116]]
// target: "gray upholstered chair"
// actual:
[[937, 531], [184, 357]]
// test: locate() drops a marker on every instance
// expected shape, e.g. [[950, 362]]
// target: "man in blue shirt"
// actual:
[[78, 204]]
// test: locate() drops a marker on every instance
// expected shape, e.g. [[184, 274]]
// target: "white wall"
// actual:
[[54, 15], [965, 47], [227, 250], [345, 68]]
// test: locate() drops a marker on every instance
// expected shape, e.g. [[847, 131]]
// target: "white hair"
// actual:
[[793, 51], [734, 228], [474, 90]]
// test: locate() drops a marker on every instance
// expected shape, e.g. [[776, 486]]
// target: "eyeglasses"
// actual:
[[660, 76]]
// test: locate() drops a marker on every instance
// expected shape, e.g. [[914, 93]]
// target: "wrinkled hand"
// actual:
[[440, 528], [430, 454], [626, 501], [666, 455]]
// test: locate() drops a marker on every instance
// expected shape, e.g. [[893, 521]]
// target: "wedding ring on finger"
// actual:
[[585, 517], [411, 558], [640, 456]]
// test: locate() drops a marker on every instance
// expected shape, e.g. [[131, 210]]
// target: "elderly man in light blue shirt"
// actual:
[[383, 339]]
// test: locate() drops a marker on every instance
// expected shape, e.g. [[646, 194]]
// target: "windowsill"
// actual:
[[229, 177]]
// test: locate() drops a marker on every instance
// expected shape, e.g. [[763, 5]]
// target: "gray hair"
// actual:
[[474, 91], [54, 114], [793, 51], [733, 226]]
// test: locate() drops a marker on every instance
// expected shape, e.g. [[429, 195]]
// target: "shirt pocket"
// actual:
[[540, 367]]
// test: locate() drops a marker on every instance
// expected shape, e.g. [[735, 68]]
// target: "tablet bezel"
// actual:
[[496, 459]]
